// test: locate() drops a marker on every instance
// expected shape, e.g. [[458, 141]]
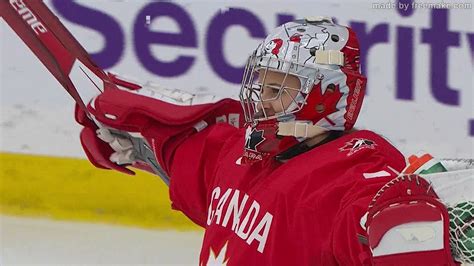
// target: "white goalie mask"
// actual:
[[324, 57]]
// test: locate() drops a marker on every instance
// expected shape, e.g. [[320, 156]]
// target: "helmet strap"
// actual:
[[299, 129], [303, 146]]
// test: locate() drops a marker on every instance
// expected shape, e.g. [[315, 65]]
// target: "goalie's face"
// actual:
[[276, 92]]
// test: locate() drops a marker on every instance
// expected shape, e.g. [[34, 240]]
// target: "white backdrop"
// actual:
[[37, 114]]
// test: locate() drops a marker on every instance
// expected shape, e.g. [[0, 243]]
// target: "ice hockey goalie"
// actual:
[[280, 177]]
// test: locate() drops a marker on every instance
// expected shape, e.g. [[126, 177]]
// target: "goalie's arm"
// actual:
[[143, 124], [184, 140]]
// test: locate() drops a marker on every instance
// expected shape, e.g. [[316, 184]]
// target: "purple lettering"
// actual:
[[404, 63], [404, 75], [144, 38], [215, 35], [470, 40], [378, 34], [471, 127], [101, 22], [405, 8], [440, 38], [284, 18]]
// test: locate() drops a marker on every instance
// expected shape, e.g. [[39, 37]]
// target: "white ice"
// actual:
[[28, 241]]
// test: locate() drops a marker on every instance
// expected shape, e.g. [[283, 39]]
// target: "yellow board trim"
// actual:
[[73, 189]]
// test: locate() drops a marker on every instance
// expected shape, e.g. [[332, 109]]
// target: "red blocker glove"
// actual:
[[408, 225]]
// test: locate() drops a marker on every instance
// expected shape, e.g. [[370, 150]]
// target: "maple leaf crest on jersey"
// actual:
[[355, 145], [253, 138]]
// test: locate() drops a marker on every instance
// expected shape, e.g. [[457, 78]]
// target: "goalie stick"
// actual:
[[67, 61], [55, 47]]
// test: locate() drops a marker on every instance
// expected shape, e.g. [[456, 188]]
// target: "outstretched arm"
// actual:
[[108, 142], [141, 123]]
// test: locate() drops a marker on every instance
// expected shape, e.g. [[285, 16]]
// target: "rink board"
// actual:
[[72, 189]]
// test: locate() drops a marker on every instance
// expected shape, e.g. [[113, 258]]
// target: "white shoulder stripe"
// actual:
[[377, 174]]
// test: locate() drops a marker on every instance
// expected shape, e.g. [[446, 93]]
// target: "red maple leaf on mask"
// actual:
[[319, 104]]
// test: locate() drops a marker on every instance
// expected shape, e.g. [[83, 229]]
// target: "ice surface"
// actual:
[[42, 241]]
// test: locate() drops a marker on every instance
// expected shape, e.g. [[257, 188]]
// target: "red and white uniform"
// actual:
[[306, 211]]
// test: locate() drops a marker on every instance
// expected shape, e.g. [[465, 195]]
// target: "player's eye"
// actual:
[[274, 88]]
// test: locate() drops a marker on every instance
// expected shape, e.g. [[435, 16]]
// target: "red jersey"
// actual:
[[305, 211]]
